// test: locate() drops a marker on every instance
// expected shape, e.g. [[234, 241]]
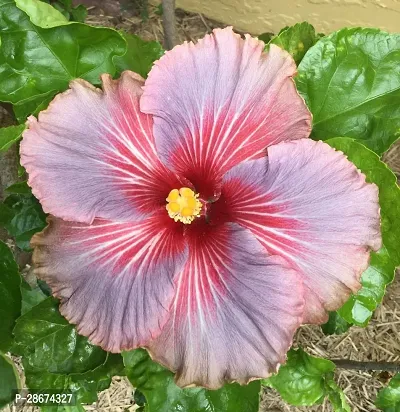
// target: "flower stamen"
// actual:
[[183, 205]]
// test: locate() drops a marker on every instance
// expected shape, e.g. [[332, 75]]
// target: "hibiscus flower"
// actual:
[[192, 215]]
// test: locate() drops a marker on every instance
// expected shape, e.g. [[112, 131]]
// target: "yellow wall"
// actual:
[[258, 16]]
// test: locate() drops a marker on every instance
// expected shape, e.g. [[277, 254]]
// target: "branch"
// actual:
[[366, 366], [169, 24]]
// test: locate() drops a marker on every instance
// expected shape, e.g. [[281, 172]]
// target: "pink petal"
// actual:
[[235, 311], [307, 203], [220, 102], [92, 154], [114, 280]]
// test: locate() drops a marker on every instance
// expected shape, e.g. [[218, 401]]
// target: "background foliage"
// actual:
[[349, 79]]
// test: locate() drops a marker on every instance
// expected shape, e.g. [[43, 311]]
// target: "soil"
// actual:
[[379, 341]]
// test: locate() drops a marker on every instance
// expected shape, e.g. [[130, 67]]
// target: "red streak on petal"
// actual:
[[136, 167], [246, 205], [210, 148], [202, 280], [120, 244]]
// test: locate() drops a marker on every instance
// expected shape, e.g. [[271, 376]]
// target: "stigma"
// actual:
[[183, 205]]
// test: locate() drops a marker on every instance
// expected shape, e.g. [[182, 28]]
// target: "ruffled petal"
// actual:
[[114, 280], [235, 311], [92, 154], [307, 203], [220, 102]]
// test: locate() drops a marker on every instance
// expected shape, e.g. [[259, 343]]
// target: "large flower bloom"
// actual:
[[191, 215]]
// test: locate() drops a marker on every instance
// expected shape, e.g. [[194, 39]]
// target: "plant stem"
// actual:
[[169, 24], [366, 366]]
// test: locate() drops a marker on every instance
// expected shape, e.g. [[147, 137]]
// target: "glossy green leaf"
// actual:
[[62, 10], [351, 83], [31, 296], [9, 380], [41, 14], [21, 171], [296, 40], [32, 105], [302, 380], [28, 218], [60, 54], [336, 396], [79, 13], [139, 398], [49, 343], [84, 386], [67, 4], [10, 301], [9, 135], [359, 308], [6, 214], [336, 325], [139, 56], [380, 273], [266, 37], [163, 395], [19, 188], [388, 399], [45, 288]]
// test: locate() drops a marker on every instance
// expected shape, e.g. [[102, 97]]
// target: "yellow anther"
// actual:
[[173, 195], [173, 207], [183, 205], [185, 192]]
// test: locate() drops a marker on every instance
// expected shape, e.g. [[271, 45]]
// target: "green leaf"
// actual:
[[139, 398], [351, 83], [32, 105], [266, 37], [6, 214], [50, 344], [41, 14], [67, 4], [30, 296], [62, 10], [139, 56], [380, 273], [159, 10], [9, 135], [21, 188], [85, 386], [61, 54], [336, 396], [163, 395], [79, 13], [388, 399], [44, 287], [301, 381], [359, 308], [10, 302], [296, 40], [9, 380], [28, 218], [336, 325], [21, 171], [306, 380]]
